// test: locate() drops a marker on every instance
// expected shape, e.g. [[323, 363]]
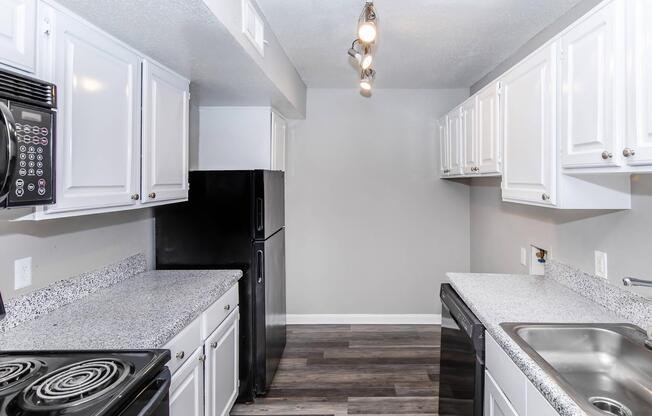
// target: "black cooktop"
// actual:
[[74, 383]]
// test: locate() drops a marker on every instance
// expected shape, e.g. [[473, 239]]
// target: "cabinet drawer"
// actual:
[[218, 311], [508, 376], [183, 345]]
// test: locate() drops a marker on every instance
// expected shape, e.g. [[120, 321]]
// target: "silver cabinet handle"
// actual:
[[214, 344], [545, 197], [227, 307], [607, 155], [180, 355], [152, 195], [627, 152], [135, 197]]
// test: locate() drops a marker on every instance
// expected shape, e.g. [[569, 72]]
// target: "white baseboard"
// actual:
[[364, 319]]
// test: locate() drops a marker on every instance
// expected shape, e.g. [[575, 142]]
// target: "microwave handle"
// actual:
[[8, 146]]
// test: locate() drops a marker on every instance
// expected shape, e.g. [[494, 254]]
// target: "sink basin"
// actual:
[[605, 368]]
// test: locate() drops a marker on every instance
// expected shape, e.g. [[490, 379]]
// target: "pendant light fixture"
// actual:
[[362, 48]]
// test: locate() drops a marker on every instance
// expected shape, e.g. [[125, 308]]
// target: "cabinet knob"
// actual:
[[180, 355], [214, 345], [545, 197], [152, 195], [135, 197], [607, 155], [627, 152], [202, 357], [227, 307]]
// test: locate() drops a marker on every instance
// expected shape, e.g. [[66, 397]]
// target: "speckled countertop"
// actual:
[[144, 311], [514, 298]]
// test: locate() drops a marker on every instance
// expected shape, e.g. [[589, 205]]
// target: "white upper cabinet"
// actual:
[[98, 133], [638, 145], [488, 122], [444, 152], [18, 34], [454, 127], [165, 135], [528, 129], [279, 139], [469, 137], [593, 88]]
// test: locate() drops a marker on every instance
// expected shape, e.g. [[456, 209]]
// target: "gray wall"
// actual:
[[64, 248], [371, 229], [531, 45], [499, 230]]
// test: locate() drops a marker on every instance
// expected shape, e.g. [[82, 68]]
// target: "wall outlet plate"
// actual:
[[523, 257], [601, 264], [22, 273]]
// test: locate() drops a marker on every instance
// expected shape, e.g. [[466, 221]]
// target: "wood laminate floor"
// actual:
[[354, 370]]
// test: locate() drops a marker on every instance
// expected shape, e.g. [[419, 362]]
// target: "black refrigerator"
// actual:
[[236, 220]]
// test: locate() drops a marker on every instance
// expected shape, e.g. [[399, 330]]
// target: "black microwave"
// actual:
[[27, 141]]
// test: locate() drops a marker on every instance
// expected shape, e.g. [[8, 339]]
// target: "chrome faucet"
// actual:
[[631, 281]]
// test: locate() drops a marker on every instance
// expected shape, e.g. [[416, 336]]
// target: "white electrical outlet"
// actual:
[[523, 257], [601, 264], [22, 273]]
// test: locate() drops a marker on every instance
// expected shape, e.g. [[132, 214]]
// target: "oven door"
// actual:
[[461, 370], [8, 146], [153, 399]]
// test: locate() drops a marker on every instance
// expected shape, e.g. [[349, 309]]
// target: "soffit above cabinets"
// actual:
[[203, 40]]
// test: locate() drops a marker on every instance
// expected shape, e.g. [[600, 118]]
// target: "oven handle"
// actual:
[[160, 395], [9, 130]]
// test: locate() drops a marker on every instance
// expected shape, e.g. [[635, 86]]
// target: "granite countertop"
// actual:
[[495, 299], [144, 311]]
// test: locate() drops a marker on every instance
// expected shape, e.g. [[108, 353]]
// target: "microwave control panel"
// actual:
[[33, 179]]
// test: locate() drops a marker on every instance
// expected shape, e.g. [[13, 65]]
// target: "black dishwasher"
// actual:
[[461, 379]]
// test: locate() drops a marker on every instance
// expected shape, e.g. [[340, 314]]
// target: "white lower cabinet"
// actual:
[[187, 387], [207, 381], [221, 370], [495, 402]]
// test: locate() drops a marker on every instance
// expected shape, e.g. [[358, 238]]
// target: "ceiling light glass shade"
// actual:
[[367, 79], [367, 30], [366, 60]]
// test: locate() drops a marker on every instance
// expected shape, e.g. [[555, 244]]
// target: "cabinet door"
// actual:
[[18, 34], [527, 108], [165, 135], [469, 137], [455, 141], [279, 138], [98, 133], [495, 402], [222, 366], [488, 142], [639, 133], [593, 87], [444, 148], [187, 387]]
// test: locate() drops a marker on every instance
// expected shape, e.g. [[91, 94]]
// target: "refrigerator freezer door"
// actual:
[[269, 190], [269, 272]]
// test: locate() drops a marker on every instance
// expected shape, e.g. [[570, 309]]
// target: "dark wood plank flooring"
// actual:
[[354, 370]]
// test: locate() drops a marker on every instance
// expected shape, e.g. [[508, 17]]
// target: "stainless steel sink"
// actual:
[[605, 368]]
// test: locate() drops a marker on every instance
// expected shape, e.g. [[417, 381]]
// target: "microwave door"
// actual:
[[7, 149]]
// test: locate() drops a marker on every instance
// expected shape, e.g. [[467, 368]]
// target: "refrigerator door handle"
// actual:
[[260, 219], [260, 265]]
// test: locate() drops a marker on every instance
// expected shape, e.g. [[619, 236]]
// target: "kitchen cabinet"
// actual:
[[18, 34], [469, 137], [454, 127], [187, 387], [222, 367], [495, 402], [527, 108], [593, 88], [279, 138], [638, 146], [98, 133], [444, 152], [488, 133], [166, 98]]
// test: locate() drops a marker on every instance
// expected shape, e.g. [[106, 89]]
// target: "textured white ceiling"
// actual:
[[422, 43]]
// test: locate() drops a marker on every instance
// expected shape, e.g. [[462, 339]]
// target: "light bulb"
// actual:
[[365, 85], [367, 32], [366, 61], [367, 79]]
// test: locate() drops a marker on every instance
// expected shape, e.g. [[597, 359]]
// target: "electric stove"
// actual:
[[84, 383]]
